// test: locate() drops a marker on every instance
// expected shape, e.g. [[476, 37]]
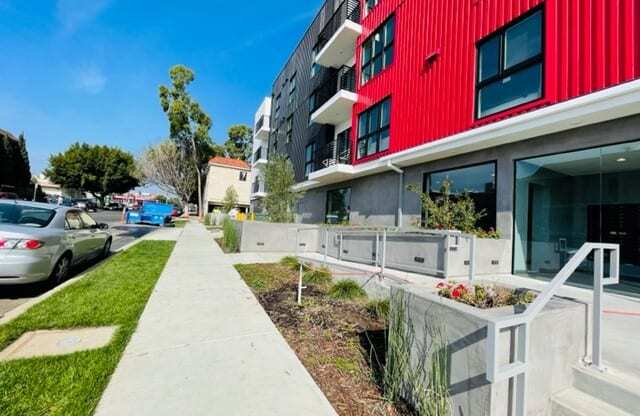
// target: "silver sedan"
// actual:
[[42, 241]]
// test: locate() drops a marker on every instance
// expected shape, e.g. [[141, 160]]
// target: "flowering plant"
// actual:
[[484, 297]]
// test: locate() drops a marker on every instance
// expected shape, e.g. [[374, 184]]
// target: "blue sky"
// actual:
[[89, 70]]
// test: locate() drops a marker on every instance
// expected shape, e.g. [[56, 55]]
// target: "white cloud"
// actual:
[[90, 79], [73, 14]]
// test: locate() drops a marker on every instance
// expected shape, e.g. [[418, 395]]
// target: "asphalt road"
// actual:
[[13, 296]]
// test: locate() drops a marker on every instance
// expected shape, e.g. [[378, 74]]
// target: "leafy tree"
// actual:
[[447, 212], [189, 125], [164, 166], [99, 170], [230, 199], [240, 142], [24, 168], [281, 197]]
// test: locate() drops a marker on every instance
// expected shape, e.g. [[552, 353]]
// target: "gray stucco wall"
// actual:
[[374, 199]]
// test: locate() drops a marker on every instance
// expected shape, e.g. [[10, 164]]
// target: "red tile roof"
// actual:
[[226, 161]]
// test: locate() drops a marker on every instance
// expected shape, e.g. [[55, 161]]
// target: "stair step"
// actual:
[[573, 402], [611, 386]]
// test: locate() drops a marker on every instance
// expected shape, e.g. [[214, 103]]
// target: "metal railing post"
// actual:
[[297, 241], [300, 286], [472, 258], [384, 251], [326, 245], [446, 256], [340, 246], [598, 274], [377, 249]]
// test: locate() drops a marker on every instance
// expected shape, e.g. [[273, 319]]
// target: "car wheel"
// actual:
[[106, 250], [61, 270]]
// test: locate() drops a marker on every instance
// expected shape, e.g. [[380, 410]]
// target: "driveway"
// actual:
[[13, 296]]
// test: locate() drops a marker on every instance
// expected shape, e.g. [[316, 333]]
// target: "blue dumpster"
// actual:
[[154, 213]]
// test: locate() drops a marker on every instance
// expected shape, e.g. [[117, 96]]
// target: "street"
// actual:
[[13, 296]]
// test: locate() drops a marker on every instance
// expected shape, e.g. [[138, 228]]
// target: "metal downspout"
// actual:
[[400, 172]]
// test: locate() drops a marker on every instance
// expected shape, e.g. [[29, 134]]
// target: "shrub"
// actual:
[[485, 297], [230, 236], [290, 262], [379, 308], [347, 290], [321, 276]]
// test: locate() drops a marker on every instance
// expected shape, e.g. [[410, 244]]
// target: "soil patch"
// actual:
[[339, 342]]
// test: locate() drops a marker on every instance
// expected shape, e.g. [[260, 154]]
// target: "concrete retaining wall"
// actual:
[[269, 237], [557, 343]]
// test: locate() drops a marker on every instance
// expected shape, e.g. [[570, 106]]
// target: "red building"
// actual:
[[530, 107]]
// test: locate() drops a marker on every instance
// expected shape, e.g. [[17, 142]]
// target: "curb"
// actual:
[[20, 309]]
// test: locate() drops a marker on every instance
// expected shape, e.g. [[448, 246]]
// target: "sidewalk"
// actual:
[[205, 346]]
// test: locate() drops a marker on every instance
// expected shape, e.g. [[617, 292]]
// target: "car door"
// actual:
[[77, 236], [94, 234]]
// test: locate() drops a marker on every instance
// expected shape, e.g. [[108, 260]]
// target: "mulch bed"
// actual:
[[340, 343]]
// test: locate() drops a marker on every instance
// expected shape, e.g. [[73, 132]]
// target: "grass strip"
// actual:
[[115, 293]]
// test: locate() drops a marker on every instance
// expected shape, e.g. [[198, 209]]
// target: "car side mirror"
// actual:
[[103, 226]]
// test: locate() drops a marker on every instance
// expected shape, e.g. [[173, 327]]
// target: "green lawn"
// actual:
[[115, 293], [180, 223]]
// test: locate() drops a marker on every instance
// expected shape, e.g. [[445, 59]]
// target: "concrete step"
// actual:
[[613, 387], [573, 402]]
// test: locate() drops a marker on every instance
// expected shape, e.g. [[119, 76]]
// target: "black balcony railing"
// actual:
[[260, 123], [348, 10], [336, 152], [342, 79], [347, 79]]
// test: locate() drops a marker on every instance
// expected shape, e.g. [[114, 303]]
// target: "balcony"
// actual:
[[333, 162], [261, 131], [335, 99], [259, 157], [337, 41], [258, 190]]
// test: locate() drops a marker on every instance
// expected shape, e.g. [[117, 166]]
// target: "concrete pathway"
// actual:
[[205, 346]]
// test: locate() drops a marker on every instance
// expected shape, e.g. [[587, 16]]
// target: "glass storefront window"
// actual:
[[338, 206], [479, 182], [565, 200]]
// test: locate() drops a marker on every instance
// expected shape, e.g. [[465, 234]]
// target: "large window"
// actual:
[[289, 128], [338, 206], [373, 129], [564, 200], [370, 4], [292, 91], [510, 66], [377, 51], [277, 112], [309, 159], [479, 182], [315, 68]]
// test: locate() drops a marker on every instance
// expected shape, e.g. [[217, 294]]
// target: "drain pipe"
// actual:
[[400, 172]]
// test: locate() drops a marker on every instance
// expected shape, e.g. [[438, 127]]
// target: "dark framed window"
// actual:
[[370, 4], [289, 126], [478, 181], [374, 126], [510, 65], [277, 110], [315, 68], [377, 50], [292, 91], [338, 207], [243, 176], [309, 159]]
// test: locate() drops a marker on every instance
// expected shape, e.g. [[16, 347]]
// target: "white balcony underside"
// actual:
[[337, 110], [610, 104], [258, 195], [262, 134], [341, 47]]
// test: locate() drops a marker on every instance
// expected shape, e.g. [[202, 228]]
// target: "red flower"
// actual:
[[461, 287], [441, 285], [456, 293]]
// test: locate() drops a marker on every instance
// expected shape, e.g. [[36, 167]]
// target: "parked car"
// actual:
[[43, 241], [177, 212], [114, 206], [193, 209], [86, 205], [8, 195]]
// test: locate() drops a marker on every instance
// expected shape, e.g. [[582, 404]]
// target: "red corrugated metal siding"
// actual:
[[589, 45]]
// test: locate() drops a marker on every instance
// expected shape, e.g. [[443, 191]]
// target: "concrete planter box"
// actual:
[[263, 237], [557, 343]]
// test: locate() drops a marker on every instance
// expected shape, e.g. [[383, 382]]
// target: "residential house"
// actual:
[[530, 107], [224, 173]]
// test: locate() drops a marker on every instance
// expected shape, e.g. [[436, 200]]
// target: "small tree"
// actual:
[[230, 199], [449, 213], [279, 180], [164, 166]]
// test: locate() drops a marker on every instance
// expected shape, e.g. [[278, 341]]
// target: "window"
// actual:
[[338, 206], [377, 51], [88, 221], [309, 159], [370, 4], [292, 91], [289, 128], [277, 112], [243, 176], [26, 216], [373, 129], [510, 66], [73, 221], [479, 182], [315, 68]]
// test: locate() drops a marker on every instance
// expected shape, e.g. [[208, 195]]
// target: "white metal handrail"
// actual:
[[520, 322]]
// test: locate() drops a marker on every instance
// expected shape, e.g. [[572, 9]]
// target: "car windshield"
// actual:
[[25, 215]]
